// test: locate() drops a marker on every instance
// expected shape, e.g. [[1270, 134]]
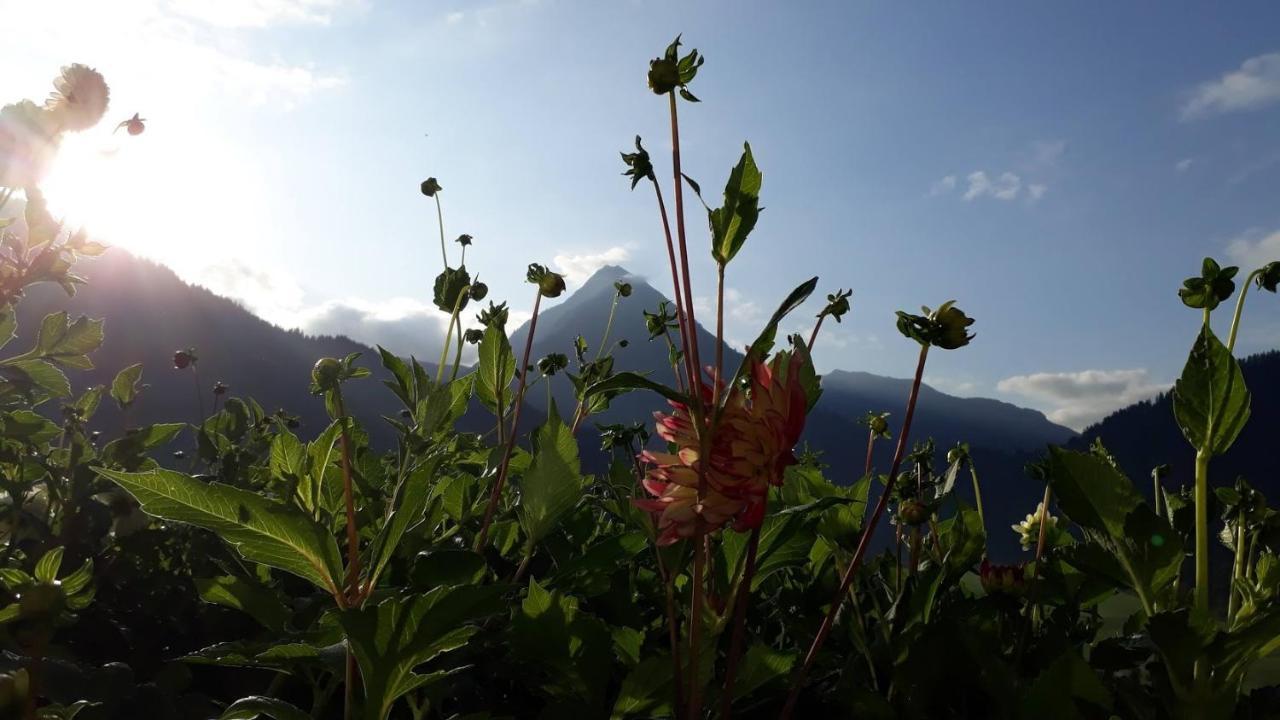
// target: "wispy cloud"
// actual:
[[1079, 399], [1005, 187], [1254, 248], [258, 13], [1046, 153], [943, 186], [1254, 85], [577, 269], [1183, 165]]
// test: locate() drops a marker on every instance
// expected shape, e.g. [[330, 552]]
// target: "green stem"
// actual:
[[977, 496], [1202, 531], [1237, 572], [457, 357], [1235, 318], [496, 495], [608, 325], [1155, 492], [440, 219], [448, 334]]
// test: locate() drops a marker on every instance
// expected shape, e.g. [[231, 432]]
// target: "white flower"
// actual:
[[79, 98], [1029, 530]]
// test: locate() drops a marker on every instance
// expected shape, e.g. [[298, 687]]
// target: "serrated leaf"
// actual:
[[256, 706], [1210, 399], [262, 531], [392, 638], [67, 343], [404, 511], [126, 385], [246, 596], [48, 566], [627, 381], [496, 369], [732, 222], [552, 486]]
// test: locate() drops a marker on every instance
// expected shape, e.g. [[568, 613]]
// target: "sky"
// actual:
[[1056, 168]]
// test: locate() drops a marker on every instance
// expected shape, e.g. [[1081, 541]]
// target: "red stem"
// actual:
[[863, 543], [813, 336], [682, 319], [871, 441], [691, 322], [515, 426]]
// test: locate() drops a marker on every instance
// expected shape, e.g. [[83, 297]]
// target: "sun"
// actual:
[[164, 197]]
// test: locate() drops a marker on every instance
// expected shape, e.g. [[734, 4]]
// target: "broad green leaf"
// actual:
[[262, 531], [255, 706], [248, 597], [1210, 400], [569, 650], [646, 690], [288, 460], [1091, 492], [552, 486], [138, 441], [760, 666], [49, 565], [403, 385], [28, 426], [732, 222], [1065, 690], [29, 375], [125, 387], [67, 343], [392, 638], [496, 369], [449, 566], [87, 403], [590, 573], [404, 511], [627, 381]]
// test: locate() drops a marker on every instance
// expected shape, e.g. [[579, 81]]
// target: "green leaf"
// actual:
[[449, 566], [1091, 492], [569, 650], [28, 426], [627, 381], [496, 369], [288, 459], [1065, 690], [591, 572], [48, 566], [447, 291], [646, 690], [263, 531], [29, 375], [138, 441], [404, 511], [761, 665], [553, 484], [1210, 400], [125, 387], [67, 343], [764, 341], [248, 597], [732, 222], [255, 706], [8, 324], [392, 638]]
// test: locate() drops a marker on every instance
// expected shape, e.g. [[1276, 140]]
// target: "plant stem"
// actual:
[[348, 492], [739, 624], [457, 357], [448, 334], [1044, 526], [1237, 572], [691, 323], [515, 425], [440, 218], [863, 542], [1155, 492], [813, 336], [682, 320], [1235, 318], [608, 325], [1202, 531], [673, 633], [719, 334], [977, 496]]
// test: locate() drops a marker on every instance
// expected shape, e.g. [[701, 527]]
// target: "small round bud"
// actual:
[[326, 373], [430, 187], [551, 285]]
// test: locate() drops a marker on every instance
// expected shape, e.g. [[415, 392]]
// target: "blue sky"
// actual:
[[1057, 168]]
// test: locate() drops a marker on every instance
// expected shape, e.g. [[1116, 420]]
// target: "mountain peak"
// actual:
[[607, 274]]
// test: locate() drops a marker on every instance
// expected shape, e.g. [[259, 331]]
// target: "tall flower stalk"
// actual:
[[551, 285], [946, 328]]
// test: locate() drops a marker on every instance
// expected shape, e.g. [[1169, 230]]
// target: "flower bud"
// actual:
[[219, 388], [183, 358], [953, 327], [464, 240], [1002, 579], [326, 373], [623, 289], [473, 336], [913, 513], [1269, 278], [430, 187], [479, 290]]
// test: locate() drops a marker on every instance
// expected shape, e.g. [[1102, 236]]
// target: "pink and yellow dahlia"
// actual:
[[750, 450]]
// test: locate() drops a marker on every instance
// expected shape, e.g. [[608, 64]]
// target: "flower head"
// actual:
[[1029, 529], [1214, 285], [672, 72], [946, 328], [751, 449], [1269, 276], [1002, 579], [79, 98], [638, 165], [134, 125], [430, 187]]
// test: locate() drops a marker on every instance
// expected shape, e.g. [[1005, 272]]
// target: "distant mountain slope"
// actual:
[[846, 395], [1145, 434]]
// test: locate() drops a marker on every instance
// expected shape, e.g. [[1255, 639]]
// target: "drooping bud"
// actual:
[[430, 187]]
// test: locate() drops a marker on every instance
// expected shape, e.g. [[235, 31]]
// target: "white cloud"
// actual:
[[1254, 248], [943, 186], [1035, 191], [1005, 187], [1079, 399], [1254, 85], [1183, 165], [578, 268], [1045, 153], [404, 325], [952, 386]]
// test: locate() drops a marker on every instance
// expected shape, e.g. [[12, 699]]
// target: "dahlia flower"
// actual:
[[751, 449], [79, 98], [1029, 529], [1002, 579]]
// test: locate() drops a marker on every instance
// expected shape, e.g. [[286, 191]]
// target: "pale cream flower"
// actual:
[[79, 98]]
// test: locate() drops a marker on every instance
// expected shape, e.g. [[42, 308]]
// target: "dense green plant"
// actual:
[[718, 573]]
